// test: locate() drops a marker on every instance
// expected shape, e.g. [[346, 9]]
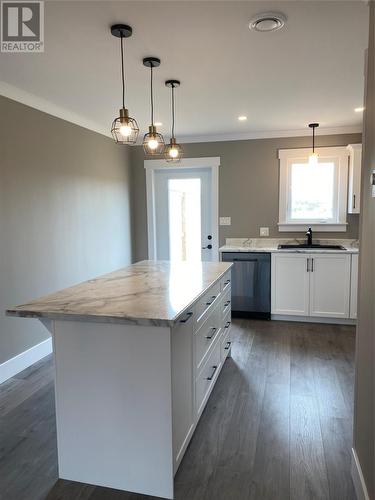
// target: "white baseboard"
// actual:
[[314, 319], [27, 358], [358, 479]]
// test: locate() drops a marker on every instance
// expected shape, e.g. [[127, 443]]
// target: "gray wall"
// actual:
[[248, 186], [64, 212], [365, 387]]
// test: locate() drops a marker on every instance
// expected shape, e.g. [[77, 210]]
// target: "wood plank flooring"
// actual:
[[277, 426]]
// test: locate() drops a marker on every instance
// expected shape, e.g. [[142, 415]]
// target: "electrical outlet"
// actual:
[[264, 231], [225, 221]]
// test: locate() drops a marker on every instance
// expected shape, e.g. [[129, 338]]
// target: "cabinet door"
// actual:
[[354, 287], [329, 285], [354, 186], [290, 284], [182, 385]]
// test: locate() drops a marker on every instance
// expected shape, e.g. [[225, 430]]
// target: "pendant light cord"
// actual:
[[152, 95], [172, 111], [122, 71], [313, 140]]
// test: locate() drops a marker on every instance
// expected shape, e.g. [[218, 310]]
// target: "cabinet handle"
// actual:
[[188, 316], [227, 346], [307, 265], [213, 330], [214, 368], [212, 299], [226, 282], [227, 325], [312, 265], [226, 303], [353, 200]]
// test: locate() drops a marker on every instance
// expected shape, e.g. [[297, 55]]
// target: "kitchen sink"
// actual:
[[314, 246]]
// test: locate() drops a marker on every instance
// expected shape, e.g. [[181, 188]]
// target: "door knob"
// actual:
[[208, 247]]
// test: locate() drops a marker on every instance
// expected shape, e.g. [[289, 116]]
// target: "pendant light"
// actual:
[[124, 129], [173, 152], [313, 158], [153, 143]]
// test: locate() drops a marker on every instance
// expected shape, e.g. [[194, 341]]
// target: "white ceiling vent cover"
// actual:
[[267, 21]]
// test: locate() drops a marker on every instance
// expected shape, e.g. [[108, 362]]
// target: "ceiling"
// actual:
[[312, 70]]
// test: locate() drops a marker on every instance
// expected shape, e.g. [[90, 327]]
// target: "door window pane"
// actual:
[[184, 204], [312, 191]]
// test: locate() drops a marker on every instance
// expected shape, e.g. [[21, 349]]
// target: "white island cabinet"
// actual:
[[137, 354]]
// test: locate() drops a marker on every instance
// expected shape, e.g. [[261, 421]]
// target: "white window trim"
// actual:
[[285, 156], [153, 165]]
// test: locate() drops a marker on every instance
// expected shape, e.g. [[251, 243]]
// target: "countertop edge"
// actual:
[[286, 250]]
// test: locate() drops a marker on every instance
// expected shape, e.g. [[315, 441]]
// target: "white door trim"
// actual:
[[151, 166]]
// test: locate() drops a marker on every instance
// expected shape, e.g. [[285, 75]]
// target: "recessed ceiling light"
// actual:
[[158, 124], [359, 110], [242, 118], [267, 21]]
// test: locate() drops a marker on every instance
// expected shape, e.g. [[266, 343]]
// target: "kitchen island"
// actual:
[[137, 354]]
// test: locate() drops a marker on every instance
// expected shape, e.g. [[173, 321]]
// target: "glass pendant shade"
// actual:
[[173, 152], [153, 142], [125, 129]]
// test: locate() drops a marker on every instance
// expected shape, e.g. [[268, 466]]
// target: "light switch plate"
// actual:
[[372, 182], [264, 231], [225, 221]]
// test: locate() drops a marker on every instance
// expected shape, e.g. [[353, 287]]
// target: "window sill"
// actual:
[[302, 227]]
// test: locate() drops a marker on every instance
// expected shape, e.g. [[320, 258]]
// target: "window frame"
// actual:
[[339, 156]]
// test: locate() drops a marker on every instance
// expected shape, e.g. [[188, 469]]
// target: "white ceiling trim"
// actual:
[[16, 94], [269, 134]]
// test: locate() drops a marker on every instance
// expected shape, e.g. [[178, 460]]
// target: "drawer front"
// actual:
[[225, 281], [225, 341], [207, 378], [226, 302], [206, 335], [207, 303]]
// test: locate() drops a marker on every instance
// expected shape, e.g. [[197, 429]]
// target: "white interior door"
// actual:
[[183, 215]]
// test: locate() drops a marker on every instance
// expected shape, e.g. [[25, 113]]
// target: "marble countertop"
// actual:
[[271, 245], [146, 293]]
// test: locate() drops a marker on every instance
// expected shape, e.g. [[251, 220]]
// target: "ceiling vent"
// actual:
[[268, 21]]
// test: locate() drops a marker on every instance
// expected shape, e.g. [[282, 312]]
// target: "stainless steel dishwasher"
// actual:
[[251, 283]]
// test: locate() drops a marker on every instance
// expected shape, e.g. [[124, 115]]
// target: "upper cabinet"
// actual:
[[354, 190]]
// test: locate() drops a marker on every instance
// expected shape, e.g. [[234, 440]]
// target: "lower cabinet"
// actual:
[[289, 284], [311, 284], [200, 343], [329, 285], [354, 287]]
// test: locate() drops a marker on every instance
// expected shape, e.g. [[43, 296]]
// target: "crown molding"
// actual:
[[33, 101], [269, 134]]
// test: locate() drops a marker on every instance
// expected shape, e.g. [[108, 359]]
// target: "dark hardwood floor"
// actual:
[[277, 426]]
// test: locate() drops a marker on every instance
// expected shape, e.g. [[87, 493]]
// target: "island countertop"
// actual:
[[145, 293]]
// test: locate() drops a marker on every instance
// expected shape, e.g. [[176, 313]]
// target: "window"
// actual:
[[313, 195]]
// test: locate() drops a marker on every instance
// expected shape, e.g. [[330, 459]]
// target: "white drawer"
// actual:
[[207, 303], [205, 337], [225, 342], [225, 281], [207, 378], [226, 302]]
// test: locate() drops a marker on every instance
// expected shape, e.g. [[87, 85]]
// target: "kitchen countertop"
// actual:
[[271, 244], [146, 293]]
